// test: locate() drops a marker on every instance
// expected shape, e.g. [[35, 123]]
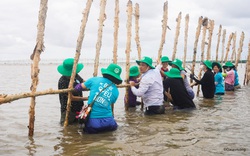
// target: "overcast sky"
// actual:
[[19, 18]]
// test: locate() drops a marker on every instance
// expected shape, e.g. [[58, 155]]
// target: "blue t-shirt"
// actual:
[[219, 83], [236, 79], [102, 105]]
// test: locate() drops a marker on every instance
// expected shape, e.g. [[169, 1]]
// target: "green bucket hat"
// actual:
[[134, 71], [173, 73], [146, 60], [208, 64], [228, 64], [113, 70], [66, 68], [165, 59], [178, 63], [216, 64]]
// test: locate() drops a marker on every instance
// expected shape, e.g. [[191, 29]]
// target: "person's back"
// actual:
[[174, 85], [151, 82], [102, 105], [207, 84]]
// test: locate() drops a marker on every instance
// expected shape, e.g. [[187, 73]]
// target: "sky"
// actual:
[[19, 19]]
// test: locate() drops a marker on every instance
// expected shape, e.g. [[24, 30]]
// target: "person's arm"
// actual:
[[143, 87], [78, 98]]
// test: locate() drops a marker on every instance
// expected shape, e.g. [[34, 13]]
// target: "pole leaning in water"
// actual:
[[164, 29], [177, 33], [185, 40], [36, 58], [77, 55], [116, 27], [242, 37], [137, 37], [128, 45], [218, 44], [197, 35], [102, 18]]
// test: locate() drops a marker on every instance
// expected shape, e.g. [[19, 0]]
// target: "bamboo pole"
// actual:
[[177, 33], [203, 43], [102, 18], [223, 45], [197, 35], [128, 44], [164, 29], [137, 37], [218, 44], [116, 27], [210, 35], [242, 37], [233, 55], [4, 98], [228, 46], [36, 58], [185, 40], [77, 55], [247, 72]]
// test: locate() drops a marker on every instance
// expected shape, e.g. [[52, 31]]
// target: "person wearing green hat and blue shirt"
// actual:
[[150, 88], [134, 74], [178, 64], [207, 80], [218, 79], [104, 94], [229, 76], [65, 69], [164, 62], [176, 91]]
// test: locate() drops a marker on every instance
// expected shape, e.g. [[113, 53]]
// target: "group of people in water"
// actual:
[[156, 85]]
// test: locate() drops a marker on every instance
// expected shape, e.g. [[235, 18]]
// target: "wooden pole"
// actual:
[[102, 18], [13, 97], [247, 73], [116, 27], [223, 45], [234, 47], [228, 46], [218, 44], [77, 56], [203, 43], [185, 40], [164, 29], [242, 37], [137, 37], [177, 33], [36, 58], [128, 44], [197, 35], [211, 29]]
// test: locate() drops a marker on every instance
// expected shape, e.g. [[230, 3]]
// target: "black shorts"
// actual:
[[151, 110]]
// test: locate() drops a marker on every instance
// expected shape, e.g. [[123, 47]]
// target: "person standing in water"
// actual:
[[207, 81], [218, 79]]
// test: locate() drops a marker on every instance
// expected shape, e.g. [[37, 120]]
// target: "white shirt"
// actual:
[[150, 88]]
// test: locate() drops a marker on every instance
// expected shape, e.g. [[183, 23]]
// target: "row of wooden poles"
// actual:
[[204, 23]]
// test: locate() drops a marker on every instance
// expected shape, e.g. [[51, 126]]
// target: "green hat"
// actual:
[[66, 68], [173, 73], [228, 64], [146, 60], [178, 63], [113, 70], [134, 71], [216, 64], [165, 59], [208, 64]]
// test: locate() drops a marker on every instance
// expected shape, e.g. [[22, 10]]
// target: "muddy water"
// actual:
[[217, 127]]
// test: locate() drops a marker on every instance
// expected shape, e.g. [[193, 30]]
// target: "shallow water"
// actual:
[[217, 127]]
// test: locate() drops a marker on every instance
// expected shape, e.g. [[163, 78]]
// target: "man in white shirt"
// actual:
[[150, 88]]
